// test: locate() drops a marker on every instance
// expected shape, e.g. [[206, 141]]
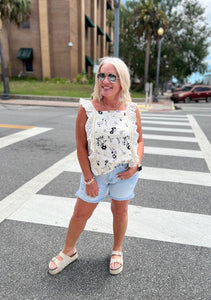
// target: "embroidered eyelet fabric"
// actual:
[[112, 137]]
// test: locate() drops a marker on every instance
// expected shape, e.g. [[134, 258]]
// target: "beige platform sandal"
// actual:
[[61, 264], [117, 270]]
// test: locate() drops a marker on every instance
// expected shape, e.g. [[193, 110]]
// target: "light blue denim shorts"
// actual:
[[118, 189]]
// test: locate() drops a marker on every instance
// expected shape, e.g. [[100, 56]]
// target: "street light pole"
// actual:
[[160, 33], [116, 28], [5, 94]]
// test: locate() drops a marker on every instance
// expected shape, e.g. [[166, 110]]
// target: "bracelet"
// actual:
[[89, 181]]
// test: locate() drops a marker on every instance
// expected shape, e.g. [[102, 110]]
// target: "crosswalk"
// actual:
[[26, 204]]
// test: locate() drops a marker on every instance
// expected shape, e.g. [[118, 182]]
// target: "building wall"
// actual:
[[76, 51], [54, 27], [26, 38]]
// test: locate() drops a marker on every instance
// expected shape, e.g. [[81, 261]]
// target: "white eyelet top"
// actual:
[[112, 137]]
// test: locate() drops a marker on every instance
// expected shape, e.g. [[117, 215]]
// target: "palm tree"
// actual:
[[149, 18], [11, 11]]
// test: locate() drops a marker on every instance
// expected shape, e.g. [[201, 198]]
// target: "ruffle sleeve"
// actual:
[[90, 130], [131, 110]]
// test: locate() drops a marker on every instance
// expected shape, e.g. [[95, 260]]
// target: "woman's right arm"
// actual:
[[82, 152]]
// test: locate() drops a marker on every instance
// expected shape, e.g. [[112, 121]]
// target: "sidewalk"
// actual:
[[164, 103]]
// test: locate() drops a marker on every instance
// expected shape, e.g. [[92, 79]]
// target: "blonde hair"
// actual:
[[124, 77]]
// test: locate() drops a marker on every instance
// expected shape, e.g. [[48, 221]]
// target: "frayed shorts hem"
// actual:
[[118, 189]]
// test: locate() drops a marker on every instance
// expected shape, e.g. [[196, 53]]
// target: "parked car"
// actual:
[[193, 93], [185, 87]]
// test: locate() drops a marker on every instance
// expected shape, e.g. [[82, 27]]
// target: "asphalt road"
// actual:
[[167, 248]]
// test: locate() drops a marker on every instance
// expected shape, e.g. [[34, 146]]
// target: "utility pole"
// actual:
[[160, 34], [116, 28]]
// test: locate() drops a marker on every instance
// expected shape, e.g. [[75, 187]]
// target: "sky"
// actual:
[[207, 5]]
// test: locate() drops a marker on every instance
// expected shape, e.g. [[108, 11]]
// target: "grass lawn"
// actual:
[[35, 87]]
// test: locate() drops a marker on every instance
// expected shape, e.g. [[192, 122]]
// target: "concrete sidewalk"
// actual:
[[164, 103]]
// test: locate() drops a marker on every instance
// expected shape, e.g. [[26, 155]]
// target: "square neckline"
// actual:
[[113, 110]]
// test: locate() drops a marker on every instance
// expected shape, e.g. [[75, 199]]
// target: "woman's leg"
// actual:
[[82, 212], [120, 220]]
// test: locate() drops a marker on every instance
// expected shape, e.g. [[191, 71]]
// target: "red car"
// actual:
[[193, 93]]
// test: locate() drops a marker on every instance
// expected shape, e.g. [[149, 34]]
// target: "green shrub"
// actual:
[[81, 78]]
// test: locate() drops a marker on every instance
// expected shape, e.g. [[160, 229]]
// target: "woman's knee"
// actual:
[[83, 210], [119, 209]]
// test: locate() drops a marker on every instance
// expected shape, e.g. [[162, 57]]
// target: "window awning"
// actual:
[[89, 22], [99, 31], [108, 38], [89, 61], [109, 5], [25, 54]]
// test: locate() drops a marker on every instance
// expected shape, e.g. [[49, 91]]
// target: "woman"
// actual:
[[110, 149]]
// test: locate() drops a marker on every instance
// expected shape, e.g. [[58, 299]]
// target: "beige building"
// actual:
[[61, 39]]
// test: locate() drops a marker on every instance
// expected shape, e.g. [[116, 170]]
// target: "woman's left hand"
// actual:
[[130, 171]]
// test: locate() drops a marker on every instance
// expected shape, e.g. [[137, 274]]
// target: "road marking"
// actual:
[[158, 174], [165, 123], [163, 118], [172, 116], [20, 136], [173, 152], [13, 201], [166, 129], [16, 126], [202, 140], [70, 163], [202, 115], [170, 138], [179, 176], [144, 107], [148, 223], [193, 108]]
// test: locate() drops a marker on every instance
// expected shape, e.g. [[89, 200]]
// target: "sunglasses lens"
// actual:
[[112, 77], [101, 76]]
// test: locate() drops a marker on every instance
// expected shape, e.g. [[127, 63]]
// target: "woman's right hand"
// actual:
[[92, 189]]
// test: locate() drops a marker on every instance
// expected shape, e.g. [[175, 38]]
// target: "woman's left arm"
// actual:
[[140, 150]]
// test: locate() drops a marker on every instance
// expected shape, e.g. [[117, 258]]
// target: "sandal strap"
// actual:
[[116, 260], [116, 253], [65, 259]]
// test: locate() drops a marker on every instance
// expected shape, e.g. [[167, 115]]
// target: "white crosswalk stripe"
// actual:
[[162, 118], [165, 123], [164, 129], [158, 174], [21, 135], [173, 152], [169, 115], [170, 138], [150, 223]]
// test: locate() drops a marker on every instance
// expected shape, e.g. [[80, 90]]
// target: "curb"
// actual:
[[164, 103]]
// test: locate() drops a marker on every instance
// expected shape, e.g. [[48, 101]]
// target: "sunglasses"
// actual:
[[111, 77]]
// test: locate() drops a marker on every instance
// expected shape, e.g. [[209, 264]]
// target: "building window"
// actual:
[[109, 5], [89, 62], [26, 24], [28, 66], [88, 23], [26, 55]]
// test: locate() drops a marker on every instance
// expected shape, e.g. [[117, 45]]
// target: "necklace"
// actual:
[[119, 103]]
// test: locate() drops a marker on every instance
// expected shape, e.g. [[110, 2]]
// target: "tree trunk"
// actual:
[[5, 54]]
